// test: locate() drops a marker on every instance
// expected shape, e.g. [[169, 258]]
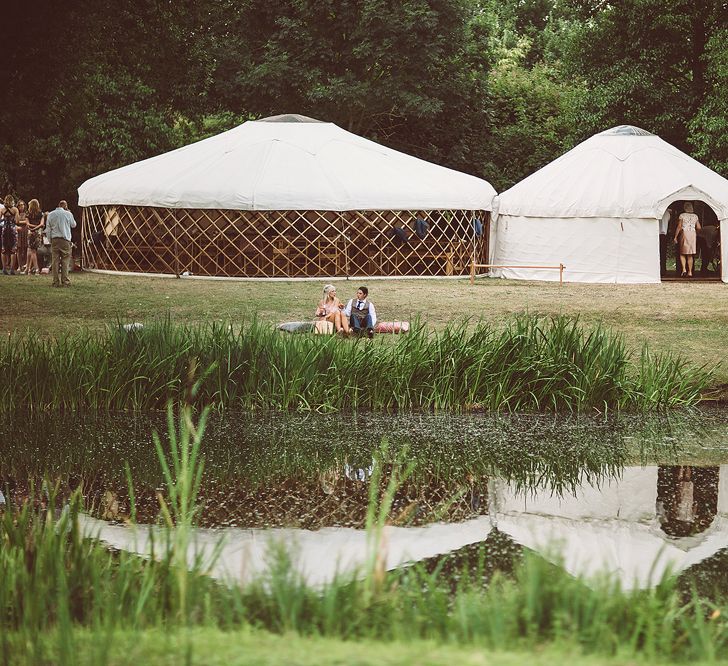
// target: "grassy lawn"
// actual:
[[690, 318], [212, 647]]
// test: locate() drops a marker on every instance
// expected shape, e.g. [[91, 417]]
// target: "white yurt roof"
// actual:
[[621, 172], [287, 162]]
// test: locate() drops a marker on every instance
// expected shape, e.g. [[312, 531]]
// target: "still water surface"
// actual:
[[634, 497]]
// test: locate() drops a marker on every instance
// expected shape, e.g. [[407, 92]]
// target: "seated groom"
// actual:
[[361, 313]]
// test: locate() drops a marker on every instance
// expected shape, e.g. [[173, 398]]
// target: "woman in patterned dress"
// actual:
[[36, 221], [686, 236], [9, 235], [21, 251], [330, 307]]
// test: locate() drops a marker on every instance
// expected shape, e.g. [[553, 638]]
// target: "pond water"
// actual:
[[633, 496]]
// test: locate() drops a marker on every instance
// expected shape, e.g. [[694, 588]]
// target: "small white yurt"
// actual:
[[596, 209], [286, 196]]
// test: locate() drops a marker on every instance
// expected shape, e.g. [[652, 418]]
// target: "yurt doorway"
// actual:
[[705, 262]]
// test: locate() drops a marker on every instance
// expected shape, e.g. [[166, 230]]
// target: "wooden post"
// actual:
[[472, 247], [83, 238], [561, 275], [176, 247]]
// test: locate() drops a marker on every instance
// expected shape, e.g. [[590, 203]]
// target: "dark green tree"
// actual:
[[532, 121], [402, 73], [709, 127], [95, 84], [643, 61], [530, 102]]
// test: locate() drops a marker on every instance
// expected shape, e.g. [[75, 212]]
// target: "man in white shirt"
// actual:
[[59, 224], [361, 313]]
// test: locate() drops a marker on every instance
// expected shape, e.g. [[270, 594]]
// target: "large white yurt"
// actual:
[[286, 196], [596, 209]]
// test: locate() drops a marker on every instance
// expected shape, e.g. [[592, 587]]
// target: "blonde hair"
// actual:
[[688, 207], [327, 290], [34, 206]]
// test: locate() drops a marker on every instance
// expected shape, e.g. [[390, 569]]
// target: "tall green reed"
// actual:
[[182, 469], [532, 363]]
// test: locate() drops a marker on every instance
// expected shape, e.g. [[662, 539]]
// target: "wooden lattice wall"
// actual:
[[230, 243]]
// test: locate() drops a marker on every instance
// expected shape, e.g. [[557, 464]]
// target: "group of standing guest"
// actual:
[[22, 229]]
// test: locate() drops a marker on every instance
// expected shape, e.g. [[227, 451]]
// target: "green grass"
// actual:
[[689, 319], [209, 646], [531, 363]]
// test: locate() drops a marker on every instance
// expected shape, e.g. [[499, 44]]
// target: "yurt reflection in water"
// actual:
[[651, 521], [616, 527], [687, 498], [286, 196]]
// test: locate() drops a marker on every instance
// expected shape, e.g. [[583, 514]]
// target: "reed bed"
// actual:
[[532, 363], [54, 581]]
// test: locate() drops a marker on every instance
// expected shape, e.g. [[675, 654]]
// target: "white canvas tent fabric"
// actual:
[[596, 209], [293, 163], [318, 556], [611, 529]]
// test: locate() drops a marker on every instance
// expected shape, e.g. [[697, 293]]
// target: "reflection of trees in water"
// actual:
[[477, 561], [708, 578], [687, 498], [524, 448], [257, 465], [329, 499]]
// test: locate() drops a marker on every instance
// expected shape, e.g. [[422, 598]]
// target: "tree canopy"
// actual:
[[496, 88]]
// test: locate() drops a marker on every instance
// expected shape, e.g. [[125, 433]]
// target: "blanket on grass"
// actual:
[[326, 327]]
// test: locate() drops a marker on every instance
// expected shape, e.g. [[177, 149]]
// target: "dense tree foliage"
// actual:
[[95, 84], [493, 87], [644, 61], [402, 73], [709, 126]]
